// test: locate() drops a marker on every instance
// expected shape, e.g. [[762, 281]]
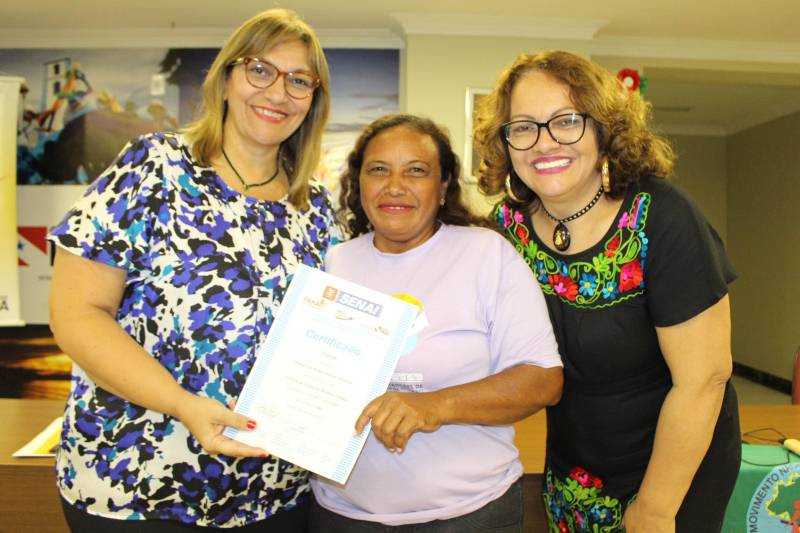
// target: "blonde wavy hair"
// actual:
[[300, 153], [620, 119]]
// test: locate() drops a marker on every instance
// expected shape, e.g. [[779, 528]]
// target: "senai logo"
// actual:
[[775, 506], [352, 301]]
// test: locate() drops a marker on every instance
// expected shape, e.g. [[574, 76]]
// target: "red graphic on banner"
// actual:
[[36, 235]]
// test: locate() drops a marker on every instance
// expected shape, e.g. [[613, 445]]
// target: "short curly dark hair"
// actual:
[[620, 119], [351, 213]]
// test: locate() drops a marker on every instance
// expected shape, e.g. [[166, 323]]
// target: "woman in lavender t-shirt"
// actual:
[[441, 451]]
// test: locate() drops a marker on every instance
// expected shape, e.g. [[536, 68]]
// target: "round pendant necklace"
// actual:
[[561, 236], [248, 186]]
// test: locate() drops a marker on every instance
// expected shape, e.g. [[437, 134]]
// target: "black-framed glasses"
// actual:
[[567, 128], [262, 74]]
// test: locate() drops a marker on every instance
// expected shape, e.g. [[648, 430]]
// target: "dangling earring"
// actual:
[[606, 177], [510, 191]]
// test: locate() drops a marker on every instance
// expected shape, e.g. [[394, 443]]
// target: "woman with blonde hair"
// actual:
[[646, 435], [166, 279]]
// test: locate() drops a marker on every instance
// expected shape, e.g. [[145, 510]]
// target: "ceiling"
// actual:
[[737, 20], [714, 67]]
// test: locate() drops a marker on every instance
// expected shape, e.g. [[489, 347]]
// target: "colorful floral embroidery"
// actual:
[[613, 275], [577, 504]]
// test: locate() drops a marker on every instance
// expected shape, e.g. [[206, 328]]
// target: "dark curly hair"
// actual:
[[351, 213], [619, 117]]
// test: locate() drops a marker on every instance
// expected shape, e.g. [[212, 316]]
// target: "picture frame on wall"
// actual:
[[471, 157]]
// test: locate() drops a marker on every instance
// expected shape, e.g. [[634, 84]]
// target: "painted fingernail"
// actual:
[[263, 455], [251, 424]]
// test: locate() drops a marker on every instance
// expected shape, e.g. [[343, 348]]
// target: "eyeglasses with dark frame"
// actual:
[[262, 74], [567, 128]]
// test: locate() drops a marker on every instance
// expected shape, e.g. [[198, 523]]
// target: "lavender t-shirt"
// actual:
[[486, 313]]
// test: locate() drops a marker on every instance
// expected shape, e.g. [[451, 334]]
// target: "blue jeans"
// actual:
[[503, 515]]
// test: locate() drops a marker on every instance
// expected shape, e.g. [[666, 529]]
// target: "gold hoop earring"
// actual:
[[606, 177], [510, 191]]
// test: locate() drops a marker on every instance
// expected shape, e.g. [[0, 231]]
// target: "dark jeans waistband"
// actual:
[[502, 515]]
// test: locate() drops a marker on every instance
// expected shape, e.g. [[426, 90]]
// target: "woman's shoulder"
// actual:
[[472, 232], [158, 143], [319, 196], [150, 151], [317, 189], [667, 200], [355, 244], [134, 167], [481, 243], [475, 235], [346, 253], [663, 189]]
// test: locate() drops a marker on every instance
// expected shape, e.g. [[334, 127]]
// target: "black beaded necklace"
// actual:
[[248, 186], [561, 236]]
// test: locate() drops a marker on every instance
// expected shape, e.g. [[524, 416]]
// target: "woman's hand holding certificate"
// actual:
[[332, 349]]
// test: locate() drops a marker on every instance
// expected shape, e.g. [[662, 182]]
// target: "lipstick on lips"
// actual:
[[551, 165], [269, 114]]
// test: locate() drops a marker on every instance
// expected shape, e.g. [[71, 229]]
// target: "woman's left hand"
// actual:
[[397, 415], [637, 520]]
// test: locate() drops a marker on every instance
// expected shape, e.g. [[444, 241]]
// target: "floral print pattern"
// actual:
[[206, 269], [613, 275], [577, 504]]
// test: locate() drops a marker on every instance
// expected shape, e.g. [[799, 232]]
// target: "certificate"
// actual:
[[332, 349]]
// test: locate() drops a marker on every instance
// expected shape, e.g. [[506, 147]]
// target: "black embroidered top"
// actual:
[[659, 264]]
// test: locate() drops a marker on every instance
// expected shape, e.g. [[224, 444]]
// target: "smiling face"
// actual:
[[263, 118], [401, 188], [564, 173]]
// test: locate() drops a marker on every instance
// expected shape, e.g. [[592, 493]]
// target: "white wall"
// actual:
[[438, 70], [764, 242], [701, 170]]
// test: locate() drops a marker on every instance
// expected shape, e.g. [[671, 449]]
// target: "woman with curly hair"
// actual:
[[441, 454], [646, 435]]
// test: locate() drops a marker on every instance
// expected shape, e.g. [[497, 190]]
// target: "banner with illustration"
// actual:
[[80, 107], [10, 311]]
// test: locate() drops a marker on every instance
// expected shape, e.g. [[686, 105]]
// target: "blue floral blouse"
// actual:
[[206, 268]]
